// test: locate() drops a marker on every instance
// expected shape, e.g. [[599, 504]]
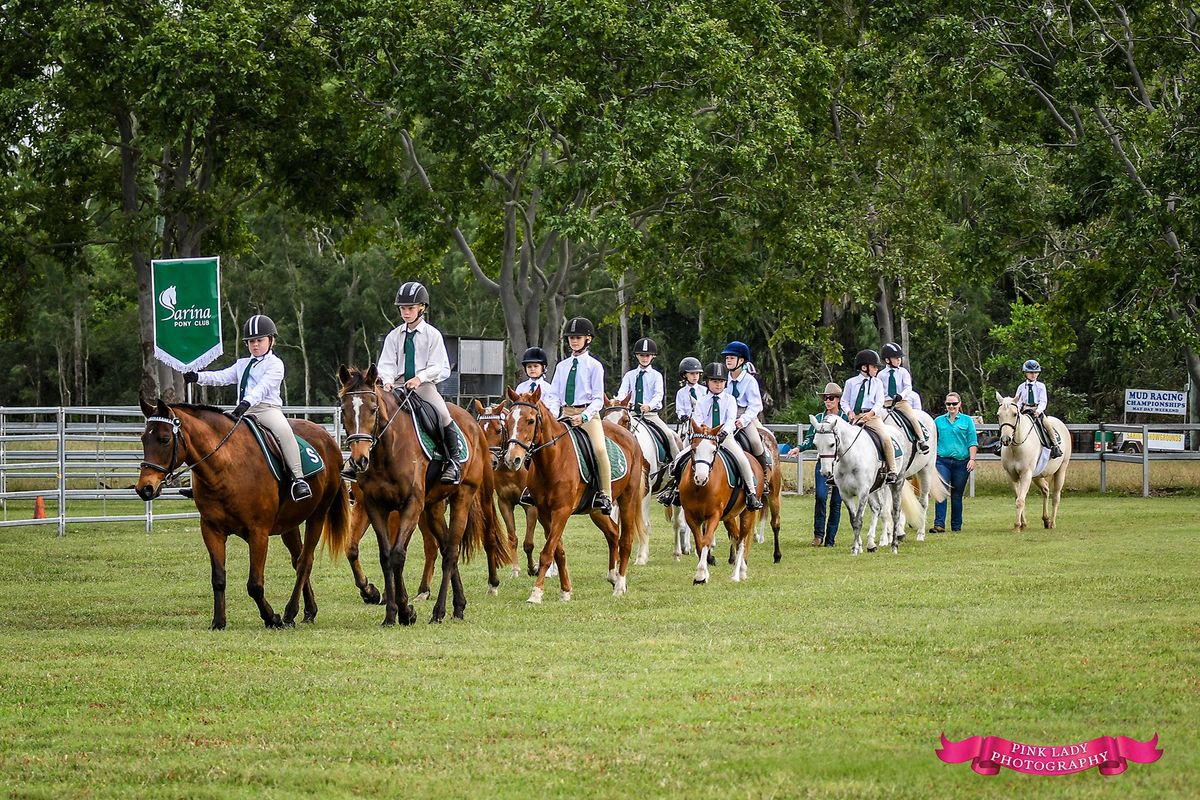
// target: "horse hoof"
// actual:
[[641, 561], [564, 596], [920, 537], [535, 597], [516, 572], [872, 549], [533, 572], [288, 623], [274, 622], [436, 620], [217, 626], [422, 596], [900, 538], [778, 557], [410, 618], [309, 619], [712, 560], [698, 582], [493, 590], [678, 556], [371, 596], [759, 538]]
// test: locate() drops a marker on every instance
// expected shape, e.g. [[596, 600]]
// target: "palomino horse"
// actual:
[[393, 474], [1020, 455], [708, 500], [923, 467], [618, 413], [509, 482], [539, 440], [236, 494], [847, 454]]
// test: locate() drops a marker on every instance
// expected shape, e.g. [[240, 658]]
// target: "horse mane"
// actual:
[[199, 407]]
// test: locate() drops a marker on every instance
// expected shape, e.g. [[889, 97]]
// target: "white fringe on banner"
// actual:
[[199, 363]]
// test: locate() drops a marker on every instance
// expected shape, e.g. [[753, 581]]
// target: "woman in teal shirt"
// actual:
[[957, 444]]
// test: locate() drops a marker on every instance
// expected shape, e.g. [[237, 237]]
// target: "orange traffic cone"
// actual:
[[39, 508]]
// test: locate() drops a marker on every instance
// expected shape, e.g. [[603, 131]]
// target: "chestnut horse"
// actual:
[[707, 499], [540, 441], [393, 476], [236, 494], [509, 482]]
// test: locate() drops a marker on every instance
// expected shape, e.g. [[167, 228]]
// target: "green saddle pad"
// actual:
[[616, 458], [310, 460], [429, 444], [732, 474]]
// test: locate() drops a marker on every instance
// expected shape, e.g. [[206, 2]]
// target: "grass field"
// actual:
[[823, 676]]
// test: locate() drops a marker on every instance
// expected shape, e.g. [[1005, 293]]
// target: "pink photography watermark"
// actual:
[[1108, 754]]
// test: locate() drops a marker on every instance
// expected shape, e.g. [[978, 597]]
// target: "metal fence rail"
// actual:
[[75, 455]]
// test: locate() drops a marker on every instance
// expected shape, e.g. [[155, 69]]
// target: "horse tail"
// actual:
[[910, 507], [939, 490], [483, 527], [337, 522]]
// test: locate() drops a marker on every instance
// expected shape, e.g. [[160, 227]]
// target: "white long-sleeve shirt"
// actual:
[[904, 383], [652, 387], [727, 409], [1039, 396], [684, 402], [266, 376], [549, 399], [873, 396], [745, 393], [589, 383], [430, 359]]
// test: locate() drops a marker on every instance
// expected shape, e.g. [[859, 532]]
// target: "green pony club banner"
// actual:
[[187, 311]]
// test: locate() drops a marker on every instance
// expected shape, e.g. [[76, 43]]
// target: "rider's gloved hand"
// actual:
[[190, 377], [241, 409]]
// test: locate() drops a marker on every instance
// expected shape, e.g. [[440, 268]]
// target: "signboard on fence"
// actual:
[[187, 311], [1155, 401]]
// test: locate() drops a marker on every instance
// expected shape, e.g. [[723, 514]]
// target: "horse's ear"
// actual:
[[695, 428], [371, 375], [813, 420], [162, 410], [999, 398], [508, 391], [478, 407], [536, 394], [343, 374], [607, 402], [147, 409]]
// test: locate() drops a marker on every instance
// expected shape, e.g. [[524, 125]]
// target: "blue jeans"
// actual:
[[954, 471], [826, 494]]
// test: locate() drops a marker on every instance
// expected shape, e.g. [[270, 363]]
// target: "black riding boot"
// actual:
[[451, 473]]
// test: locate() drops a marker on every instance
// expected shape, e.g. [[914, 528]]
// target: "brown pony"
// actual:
[[359, 522], [538, 440], [393, 477], [707, 499], [509, 482], [236, 494]]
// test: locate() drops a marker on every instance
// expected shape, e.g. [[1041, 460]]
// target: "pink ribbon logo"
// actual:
[[1109, 754]]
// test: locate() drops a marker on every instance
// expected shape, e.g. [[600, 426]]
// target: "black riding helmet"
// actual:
[[412, 293], [716, 371], [645, 346], [580, 326], [891, 350], [535, 355], [257, 326], [867, 358], [690, 364]]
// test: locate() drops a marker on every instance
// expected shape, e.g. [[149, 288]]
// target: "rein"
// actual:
[[169, 473], [1013, 425]]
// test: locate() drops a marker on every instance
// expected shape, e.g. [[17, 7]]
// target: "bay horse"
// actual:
[[1020, 456], [359, 522], [509, 482], [847, 454], [707, 500], [618, 412], [540, 441], [394, 476], [236, 494]]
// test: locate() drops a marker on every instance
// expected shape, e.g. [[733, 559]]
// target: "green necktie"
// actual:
[[1032, 402], [570, 397], [637, 392], [716, 413], [692, 392], [862, 392], [735, 391], [410, 355], [246, 378], [892, 382]]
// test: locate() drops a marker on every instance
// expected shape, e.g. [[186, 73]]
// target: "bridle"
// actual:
[[532, 447], [373, 438], [715, 438], [838, 450], [1013, 440], [170, 473], [496, 449]]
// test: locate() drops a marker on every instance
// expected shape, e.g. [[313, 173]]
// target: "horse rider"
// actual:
[[534, 361], [579, 385], [743, 388], [690, 389], [1031, 399], [259, 379], [644, 385], [414, 357], [899, 389], [718, 410], [862, 400]]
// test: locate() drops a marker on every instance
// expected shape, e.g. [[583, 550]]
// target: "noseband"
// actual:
[[532, 447], [373, 438], [706, 437], [169, 472]]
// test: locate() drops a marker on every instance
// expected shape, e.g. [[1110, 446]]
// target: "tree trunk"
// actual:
[[624, 324], [884, 321]]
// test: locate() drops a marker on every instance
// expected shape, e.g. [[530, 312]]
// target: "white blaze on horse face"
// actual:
[[705, 452], [515, 453]]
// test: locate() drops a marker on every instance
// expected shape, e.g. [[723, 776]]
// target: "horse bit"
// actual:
[[531, 448]]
